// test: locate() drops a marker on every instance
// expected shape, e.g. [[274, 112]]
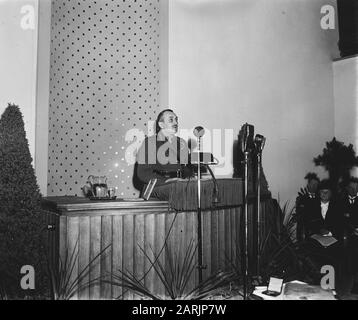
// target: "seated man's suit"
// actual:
[[349, 208], [315, 222], [319, 221]]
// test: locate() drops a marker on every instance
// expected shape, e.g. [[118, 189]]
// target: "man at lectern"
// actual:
[[163, 156]]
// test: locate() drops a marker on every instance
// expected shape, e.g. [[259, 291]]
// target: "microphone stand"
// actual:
[[258, 190], [246, 250], [259, 145], [200, 252]]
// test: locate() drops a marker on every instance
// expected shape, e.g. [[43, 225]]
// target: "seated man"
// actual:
[[303, 200], [322, 216], [349, 207], [163, 156]]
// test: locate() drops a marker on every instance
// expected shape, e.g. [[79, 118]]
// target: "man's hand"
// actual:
[[325, 233]]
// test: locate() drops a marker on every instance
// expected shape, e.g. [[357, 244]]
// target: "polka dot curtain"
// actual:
[[104, 82]]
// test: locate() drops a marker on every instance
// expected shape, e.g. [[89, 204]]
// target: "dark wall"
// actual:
[[348, 27]]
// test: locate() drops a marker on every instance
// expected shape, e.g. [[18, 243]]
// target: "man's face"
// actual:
[[352, 189], [325, 195], [312, 185], [169, 122]]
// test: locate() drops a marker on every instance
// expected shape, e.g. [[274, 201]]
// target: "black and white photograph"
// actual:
[[202, 151]]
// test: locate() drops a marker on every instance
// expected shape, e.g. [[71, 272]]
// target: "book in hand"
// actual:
[[324, 241]]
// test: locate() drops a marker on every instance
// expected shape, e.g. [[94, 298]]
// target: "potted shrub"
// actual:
[[338, 159], [22, 223]]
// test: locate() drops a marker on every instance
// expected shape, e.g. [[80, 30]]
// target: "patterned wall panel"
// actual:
[[104, 81]]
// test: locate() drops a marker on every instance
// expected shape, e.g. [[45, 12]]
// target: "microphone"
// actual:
[[199, 156], [199, 131], [259, 142], [247, 137]]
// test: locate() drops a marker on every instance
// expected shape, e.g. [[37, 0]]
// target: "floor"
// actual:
[[344, 287]]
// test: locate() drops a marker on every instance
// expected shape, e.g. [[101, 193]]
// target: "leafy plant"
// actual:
[[3, 294], [63, 284], [337, 159], [281, 254], [175, 275]]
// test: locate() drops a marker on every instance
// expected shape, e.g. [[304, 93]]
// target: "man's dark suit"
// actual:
[[315, 224], [303, 202], [161, 159], [350, 212]]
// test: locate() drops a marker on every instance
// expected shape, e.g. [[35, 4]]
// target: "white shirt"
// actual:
[[324, 209], [351, 199]]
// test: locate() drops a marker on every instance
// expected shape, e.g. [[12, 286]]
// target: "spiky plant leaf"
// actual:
[[64, 284], [175, 275]]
